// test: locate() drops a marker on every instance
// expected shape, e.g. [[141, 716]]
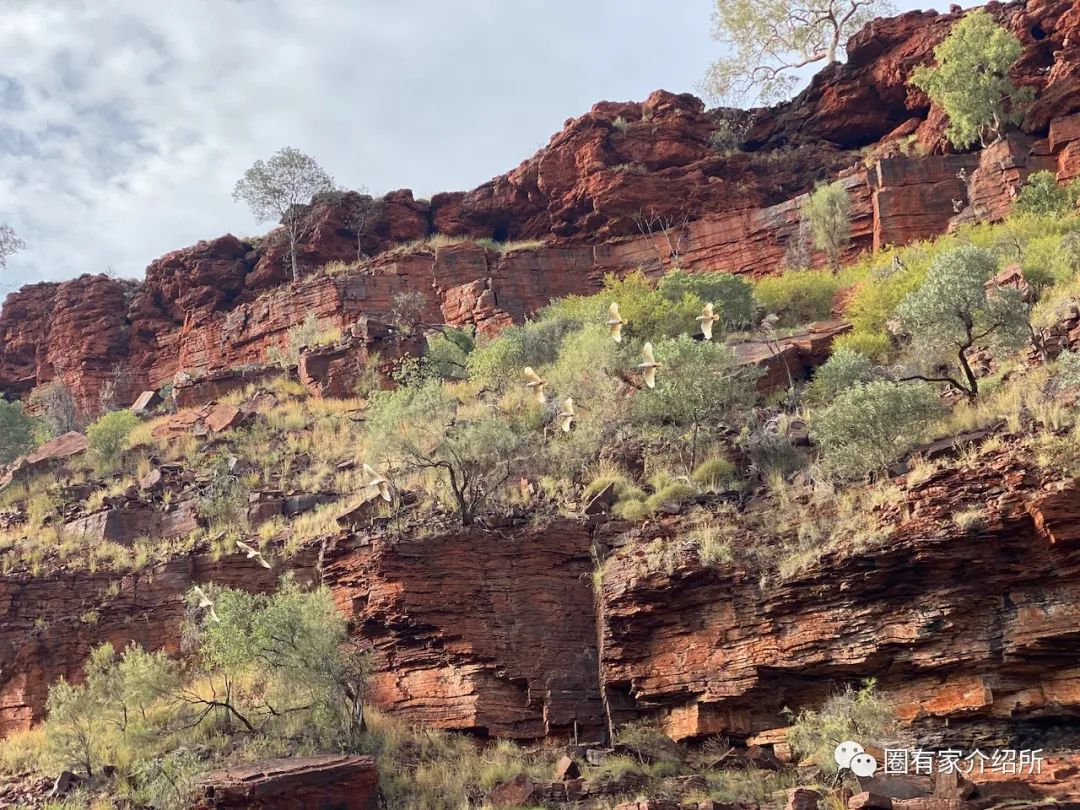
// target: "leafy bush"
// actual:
[[971, 80], [89, 724], [869, 426], [698, 385], [108, 437], [273, 671], [416, 429], [17, 431], [953, 310], [1068, 369], [648, 312], [731, 295], [291, 650], [798, 297], [873, 345], [1041, 195], [844, 368], [827, 212], [852, 714], [448, 351]]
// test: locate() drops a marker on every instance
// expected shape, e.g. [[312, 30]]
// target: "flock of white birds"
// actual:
[[375, 483], [647, 366]]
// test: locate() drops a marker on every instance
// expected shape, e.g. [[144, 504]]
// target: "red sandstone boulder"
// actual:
[[516, 792], [223, 416], [47, 455], [297, 783]]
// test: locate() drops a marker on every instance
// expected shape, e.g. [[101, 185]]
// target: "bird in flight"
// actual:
[[376, 480], [206, 602], [707, 319], [649, 366], [615, 322], [566, 415], [253, 554], [536, 383]]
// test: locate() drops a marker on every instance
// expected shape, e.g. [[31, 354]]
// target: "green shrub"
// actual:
[[731, 295], [113, 712], [448, 352], [798, 297], [852, 714], [827, 212], [1068, 369], [971, 80], [869, 426], [874, 345], [649, 314], [699, 384], [17, 431], [108, 437], [1041, 195], [844, 368]]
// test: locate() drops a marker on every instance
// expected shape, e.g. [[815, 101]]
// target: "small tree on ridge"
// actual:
[[281, 188]]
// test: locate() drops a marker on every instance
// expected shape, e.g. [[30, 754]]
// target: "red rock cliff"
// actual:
[[212, 306]]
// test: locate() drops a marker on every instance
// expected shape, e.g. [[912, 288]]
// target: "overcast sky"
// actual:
[[124, 124]]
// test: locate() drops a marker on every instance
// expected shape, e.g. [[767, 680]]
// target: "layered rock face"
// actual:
[[486, 631], [971, 632], [650, 184], [975, 628]]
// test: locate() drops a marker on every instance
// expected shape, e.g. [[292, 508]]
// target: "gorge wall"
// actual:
[[731, 204], [971, 633]]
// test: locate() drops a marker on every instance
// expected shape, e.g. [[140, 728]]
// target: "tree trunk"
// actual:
[[292, 257], [969, 375]]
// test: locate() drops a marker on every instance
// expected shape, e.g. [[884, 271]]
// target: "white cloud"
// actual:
[[124, 124]]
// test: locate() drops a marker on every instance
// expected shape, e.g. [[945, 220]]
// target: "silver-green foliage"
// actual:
[[768, 41], [828, 213], [956, 309], [851, 714], [17, 431], [416, 428], [869, 426], [279, 189], [1041, 195], [844, 368], [699, 384]]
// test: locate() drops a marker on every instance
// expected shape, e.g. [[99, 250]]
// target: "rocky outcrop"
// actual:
[[48, 455], [976, 626], [336, 370], [627, 185], [297, 783], [968, 626], [793, 357], [486, 631]]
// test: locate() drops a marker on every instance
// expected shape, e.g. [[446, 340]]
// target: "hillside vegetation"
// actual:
[[535, 423]]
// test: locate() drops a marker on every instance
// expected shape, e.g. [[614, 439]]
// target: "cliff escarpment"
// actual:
[[626, 185]]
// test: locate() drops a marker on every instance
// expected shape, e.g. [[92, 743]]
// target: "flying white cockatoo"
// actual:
[[566, 415], [373, 479], [649, 366], [707, 319], [253, 553], [615, 322], [536, 383]]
